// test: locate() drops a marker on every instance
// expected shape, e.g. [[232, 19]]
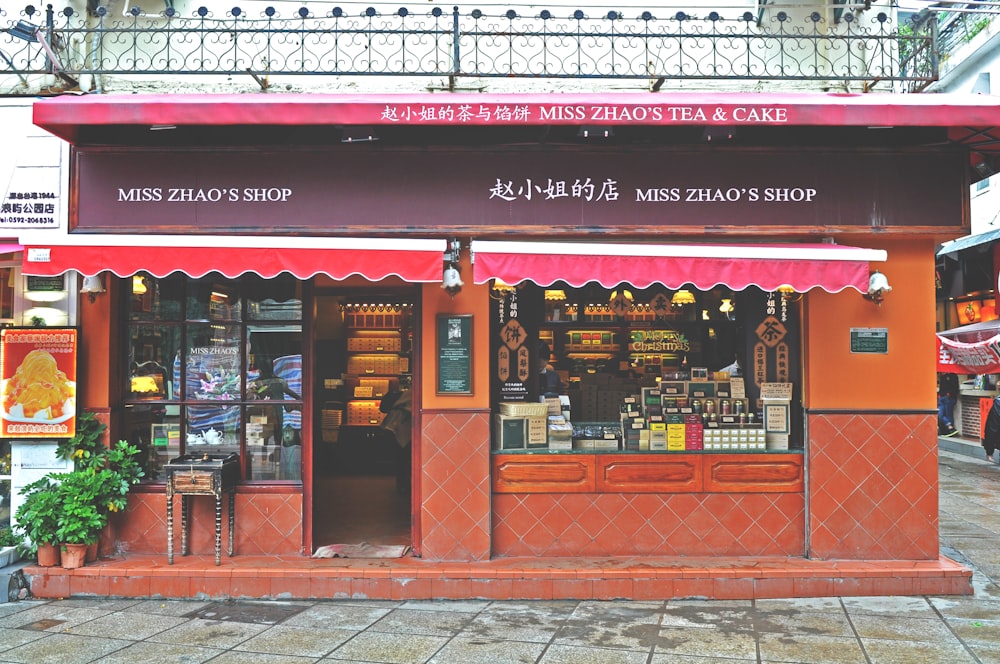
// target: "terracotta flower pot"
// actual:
[[73, 555], [48, 555], [92, 552]]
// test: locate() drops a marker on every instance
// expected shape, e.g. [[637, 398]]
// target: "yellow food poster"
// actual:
[[38, 382]]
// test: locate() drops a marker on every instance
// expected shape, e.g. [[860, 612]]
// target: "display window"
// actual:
[[208, 361], [645, 370]]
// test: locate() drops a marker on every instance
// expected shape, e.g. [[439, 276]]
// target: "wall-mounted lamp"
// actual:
[[682, 297], [92, 286], [595, 132], [727, 307], [878, 286], [451, 278], [718, 134]]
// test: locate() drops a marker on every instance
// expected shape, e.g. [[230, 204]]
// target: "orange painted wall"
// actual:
[[474, 300], [97, 334], [905, 377]]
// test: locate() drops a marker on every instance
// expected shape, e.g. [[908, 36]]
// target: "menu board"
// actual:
[[38, 382]]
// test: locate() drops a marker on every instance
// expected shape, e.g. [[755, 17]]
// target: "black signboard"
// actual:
[[454, 354]]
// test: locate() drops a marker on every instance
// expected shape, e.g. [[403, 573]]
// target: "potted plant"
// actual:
[[37, 519], [114, 470], [9, 542], [83, 513]]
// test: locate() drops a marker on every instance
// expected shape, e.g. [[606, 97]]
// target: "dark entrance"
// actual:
[[363, 350]]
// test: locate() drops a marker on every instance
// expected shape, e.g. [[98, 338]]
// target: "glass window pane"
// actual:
[[275, 362], [213, 298], [5, 504], [152, 348], [7, 293], [212, 429], [155, 298], [155, 429], [274, 442], [273, 299], [213, 363]]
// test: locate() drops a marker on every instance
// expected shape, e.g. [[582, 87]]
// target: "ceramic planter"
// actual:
[[48, 555], [73, 555]]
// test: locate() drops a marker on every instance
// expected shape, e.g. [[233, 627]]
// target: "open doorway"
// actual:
[[363, 455]]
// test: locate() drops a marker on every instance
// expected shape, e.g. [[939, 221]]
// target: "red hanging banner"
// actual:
[[982, 357]]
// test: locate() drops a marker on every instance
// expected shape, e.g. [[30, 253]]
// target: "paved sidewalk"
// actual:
[[905, 630]]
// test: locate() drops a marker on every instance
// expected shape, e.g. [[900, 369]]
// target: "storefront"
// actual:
[[731, 380]]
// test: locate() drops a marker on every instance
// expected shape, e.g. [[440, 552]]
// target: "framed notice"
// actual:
[[31, 357], [454, 354]]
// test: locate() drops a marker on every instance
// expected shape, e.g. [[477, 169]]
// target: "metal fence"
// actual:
[[767, 45]]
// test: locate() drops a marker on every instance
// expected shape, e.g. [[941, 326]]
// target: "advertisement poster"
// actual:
[[38, 382]]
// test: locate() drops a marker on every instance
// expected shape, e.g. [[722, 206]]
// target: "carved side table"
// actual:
[[201, 475]]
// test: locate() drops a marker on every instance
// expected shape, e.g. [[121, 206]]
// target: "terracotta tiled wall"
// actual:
[[455, 486], [648, 524], [268, 523], [873, 486]]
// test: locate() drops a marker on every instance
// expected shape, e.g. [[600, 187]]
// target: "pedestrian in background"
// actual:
[[991, 432], [947, 397]]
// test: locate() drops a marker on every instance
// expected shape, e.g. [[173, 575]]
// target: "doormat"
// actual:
[[362, 550]]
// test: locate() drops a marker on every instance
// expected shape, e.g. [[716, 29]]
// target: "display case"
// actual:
[[378, 356]]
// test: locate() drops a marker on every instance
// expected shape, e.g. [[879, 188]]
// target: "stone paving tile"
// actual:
[[154, 653], [988, 654], [136, 625], [344, 616], [533, 626], [972, 630], [973, 607], [285, 640], [120, 604], [472, 650], [565, 654], [706, 642], [457, 605], [624, 634], [823, 604], [209, 633], [11, 638], [708, 616], [168, 607], [804, 622], [811, 649], [67, 615], [913, 607], [259, 658], [64, 649], [887, 651], [433, 623], [688, 659], [385, 648], [902, 629]]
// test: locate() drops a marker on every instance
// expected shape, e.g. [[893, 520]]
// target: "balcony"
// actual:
[[848, 49]]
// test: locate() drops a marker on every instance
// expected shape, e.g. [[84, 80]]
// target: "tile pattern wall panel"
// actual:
[[266, 523], [455, 486], [695, 524], [873, 486]]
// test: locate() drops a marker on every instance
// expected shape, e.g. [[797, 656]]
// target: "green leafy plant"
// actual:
[[8, 537], [37, 516], [83, 513], [85, 449]]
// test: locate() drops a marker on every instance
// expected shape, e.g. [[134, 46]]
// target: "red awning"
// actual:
[[971, 120], [737, 266], [413, 260], [61, 115]]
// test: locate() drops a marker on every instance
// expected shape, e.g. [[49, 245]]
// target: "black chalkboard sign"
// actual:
[[454, 354]]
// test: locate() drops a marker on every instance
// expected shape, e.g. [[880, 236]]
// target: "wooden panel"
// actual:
[[754, 473], [652, 473], [544, 473]]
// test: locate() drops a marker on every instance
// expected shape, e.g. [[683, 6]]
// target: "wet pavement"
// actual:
[[892, 630]]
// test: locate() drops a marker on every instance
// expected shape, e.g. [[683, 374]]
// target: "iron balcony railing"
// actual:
[[767, 45]]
